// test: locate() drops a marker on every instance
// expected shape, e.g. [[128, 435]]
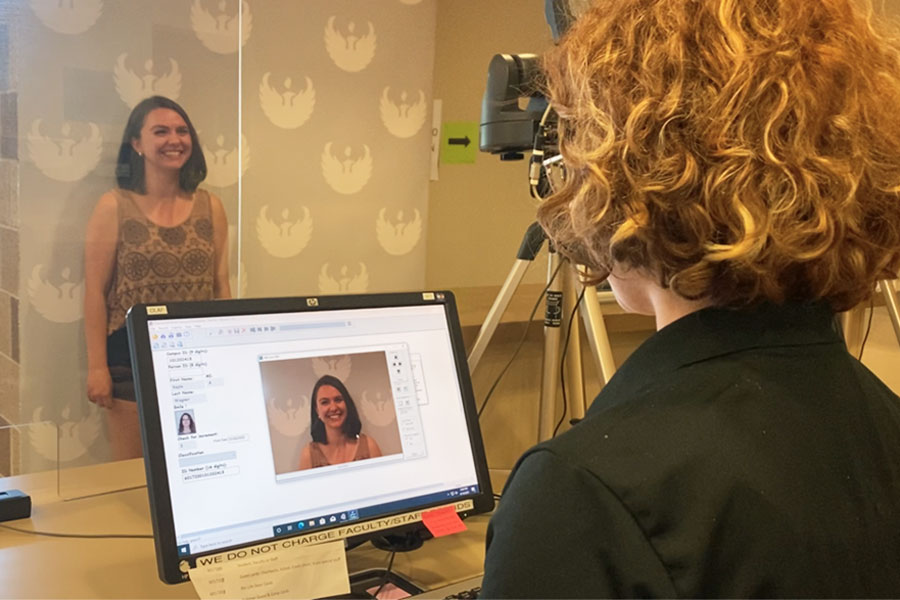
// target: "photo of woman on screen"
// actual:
[[335, 428], [186, 424]]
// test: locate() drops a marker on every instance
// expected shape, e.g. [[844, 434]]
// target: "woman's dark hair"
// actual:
[[130, 165], [193, 428], [352, 425]]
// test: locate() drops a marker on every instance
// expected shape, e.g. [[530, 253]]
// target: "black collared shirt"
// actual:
[[735, 454]]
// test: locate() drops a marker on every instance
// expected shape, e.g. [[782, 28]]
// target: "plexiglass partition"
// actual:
[[315, 121], [47, 477], [81, 68]]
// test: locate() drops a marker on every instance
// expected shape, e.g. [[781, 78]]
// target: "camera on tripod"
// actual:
[[517, 118], [515, 115], [507, 128]]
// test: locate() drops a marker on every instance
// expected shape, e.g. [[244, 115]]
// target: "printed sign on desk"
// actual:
[[282, 569]]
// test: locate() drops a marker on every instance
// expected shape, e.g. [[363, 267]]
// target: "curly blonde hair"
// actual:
[[739, 150]]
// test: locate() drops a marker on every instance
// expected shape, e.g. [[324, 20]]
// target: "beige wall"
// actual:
[[479, 212]]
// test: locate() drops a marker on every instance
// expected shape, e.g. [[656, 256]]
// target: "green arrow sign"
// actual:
[[459, 142]]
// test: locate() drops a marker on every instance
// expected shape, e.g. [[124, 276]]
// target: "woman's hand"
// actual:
[[99, 387]]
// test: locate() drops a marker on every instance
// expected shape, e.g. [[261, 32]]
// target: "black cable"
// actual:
[[387, 572], [92, 536], [521, 341], [562, 361], [862, 346]]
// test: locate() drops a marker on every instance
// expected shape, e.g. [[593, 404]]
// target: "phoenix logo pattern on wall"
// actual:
[[337, 193], [336, 95]]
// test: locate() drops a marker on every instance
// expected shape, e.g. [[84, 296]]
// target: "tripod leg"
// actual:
[[496, 312], [550, 365], [529, 248], [852, 324], [598, 337], [890, 301], [574, 371]]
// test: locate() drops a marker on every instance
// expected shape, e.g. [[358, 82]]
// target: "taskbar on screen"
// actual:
[[348, 516]]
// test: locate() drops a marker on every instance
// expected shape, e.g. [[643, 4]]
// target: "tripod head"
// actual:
[[532, 242]]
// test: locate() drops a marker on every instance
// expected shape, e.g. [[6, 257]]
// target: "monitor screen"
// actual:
[[285, 417]]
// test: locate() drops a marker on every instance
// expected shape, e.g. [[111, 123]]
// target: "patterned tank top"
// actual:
[[160, 264], [319, 459]]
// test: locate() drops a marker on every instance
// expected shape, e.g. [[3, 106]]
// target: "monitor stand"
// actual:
[[405, 542]]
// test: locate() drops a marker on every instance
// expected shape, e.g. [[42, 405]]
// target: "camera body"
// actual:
[[514, 111], [506, 128]]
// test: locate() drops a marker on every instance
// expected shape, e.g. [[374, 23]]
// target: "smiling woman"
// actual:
[[335, 428], [155, 238]]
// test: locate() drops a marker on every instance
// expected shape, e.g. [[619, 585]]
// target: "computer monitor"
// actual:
[[225, 397]]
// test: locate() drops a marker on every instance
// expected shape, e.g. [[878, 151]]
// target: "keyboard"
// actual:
[[467, 588]]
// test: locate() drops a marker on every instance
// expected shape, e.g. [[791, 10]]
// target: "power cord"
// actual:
[[537, 156], [387, 572], [862, 346], [562, 362], [521, 341], [91, 536]]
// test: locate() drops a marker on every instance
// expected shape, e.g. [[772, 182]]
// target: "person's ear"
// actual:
[[135, 145]]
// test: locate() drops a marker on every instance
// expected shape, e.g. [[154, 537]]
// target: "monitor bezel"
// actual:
[[171, 566]]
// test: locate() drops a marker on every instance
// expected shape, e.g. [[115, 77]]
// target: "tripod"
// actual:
[[893, 308], [851, 321], [562, 292]]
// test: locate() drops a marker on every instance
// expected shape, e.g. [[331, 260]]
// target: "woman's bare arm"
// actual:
[[99, 262], [222, 287]]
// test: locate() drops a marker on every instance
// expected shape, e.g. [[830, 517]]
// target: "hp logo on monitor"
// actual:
[[312, 301]]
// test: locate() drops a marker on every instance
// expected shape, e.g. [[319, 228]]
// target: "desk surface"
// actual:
[[45, 567]]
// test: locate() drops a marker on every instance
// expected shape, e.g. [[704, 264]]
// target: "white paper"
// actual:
[[281, 569], [437, 108]]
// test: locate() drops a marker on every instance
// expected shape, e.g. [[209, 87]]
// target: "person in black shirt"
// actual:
[[733, 168]]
